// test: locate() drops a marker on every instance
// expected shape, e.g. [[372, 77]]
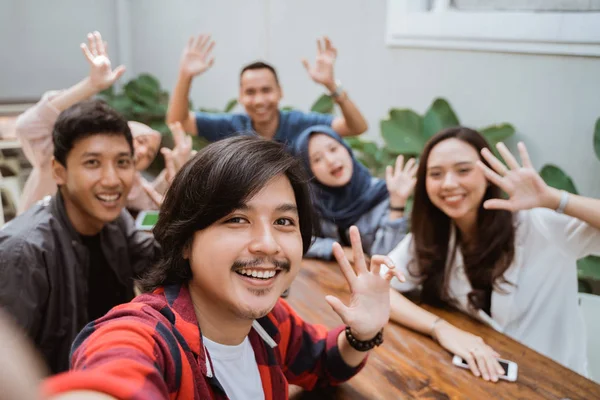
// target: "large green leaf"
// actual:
[[597, 139], [230, 105], [497, 133], [323, 105], [356, 144], [555, 177], [403, 132], [144, 89], [439, 116]]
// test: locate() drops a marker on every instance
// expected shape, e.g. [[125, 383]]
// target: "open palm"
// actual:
[[322, 71], [369, 308], [523, 185], [197, 56], [102, 76]]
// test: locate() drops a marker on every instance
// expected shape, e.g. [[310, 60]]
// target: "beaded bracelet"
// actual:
[[364, 345]]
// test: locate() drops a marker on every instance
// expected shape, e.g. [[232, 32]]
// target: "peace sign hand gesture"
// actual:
[[524, 186], [102, 76], [369, 308]]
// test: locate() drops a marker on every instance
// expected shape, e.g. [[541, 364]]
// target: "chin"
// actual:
[[255, 311]]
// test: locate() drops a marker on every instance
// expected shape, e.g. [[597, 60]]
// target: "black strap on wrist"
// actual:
[[400, 209], [366, 345]]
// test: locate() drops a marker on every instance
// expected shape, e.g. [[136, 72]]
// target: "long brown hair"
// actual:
[[485, 261]]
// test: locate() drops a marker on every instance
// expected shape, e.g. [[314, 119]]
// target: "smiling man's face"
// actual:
[[244, 261], [96, 180]]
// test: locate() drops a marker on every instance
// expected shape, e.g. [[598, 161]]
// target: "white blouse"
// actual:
[[541, 310]]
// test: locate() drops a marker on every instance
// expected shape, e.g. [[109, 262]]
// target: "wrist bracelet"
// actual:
[[564, 199], [431, 330], [400, 209], [338, 90], [364, 345]]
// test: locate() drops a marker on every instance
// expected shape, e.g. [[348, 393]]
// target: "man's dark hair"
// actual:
[[219, 179], [259, 65], [84, 119]]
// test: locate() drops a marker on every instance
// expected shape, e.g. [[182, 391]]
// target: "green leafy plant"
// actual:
[[141, 99], [405, 132]]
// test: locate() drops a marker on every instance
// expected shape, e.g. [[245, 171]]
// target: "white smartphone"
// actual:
[[146, 220], [510, 367]]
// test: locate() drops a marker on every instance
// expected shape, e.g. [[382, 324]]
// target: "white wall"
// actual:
[[40, 41], [553, 101]]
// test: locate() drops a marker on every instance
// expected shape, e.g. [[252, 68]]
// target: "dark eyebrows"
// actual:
[[285, 207], [94, 154], [458, 164]]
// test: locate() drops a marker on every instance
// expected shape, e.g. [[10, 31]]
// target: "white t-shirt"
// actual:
[[236, 369]]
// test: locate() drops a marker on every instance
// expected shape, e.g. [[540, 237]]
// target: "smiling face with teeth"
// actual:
[[260, 94], [330, 162], [243, 262], [453, 182], [96, 180]]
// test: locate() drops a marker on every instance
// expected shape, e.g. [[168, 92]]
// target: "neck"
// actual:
[[267, 129], [83, 224], [217, 323], [467, 226]]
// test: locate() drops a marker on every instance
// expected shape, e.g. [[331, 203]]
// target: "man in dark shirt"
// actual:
[[73, 256]]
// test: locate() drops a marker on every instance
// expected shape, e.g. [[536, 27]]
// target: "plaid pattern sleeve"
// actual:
[[140, 350], [117, 355], [310, 354]]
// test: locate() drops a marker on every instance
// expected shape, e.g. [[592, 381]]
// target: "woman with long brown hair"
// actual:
[[509, 262]]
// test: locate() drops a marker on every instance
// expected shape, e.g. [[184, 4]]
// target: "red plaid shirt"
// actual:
[[151, 348]]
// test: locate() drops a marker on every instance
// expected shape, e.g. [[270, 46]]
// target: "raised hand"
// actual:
[[369, 308], [182, 150], [482, 359], [401, 181], [196, 57], [102, 76], [524, 186], [322, 71]]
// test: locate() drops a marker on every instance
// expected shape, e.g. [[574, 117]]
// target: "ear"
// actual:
[[59, 172]]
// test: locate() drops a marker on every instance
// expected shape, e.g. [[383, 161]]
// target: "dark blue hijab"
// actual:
[[341, 205]]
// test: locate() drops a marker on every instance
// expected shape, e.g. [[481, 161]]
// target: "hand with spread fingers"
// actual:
[[196, 57], [102, 76], [400, 181], [369, 308], [322, 71], [525, 187]]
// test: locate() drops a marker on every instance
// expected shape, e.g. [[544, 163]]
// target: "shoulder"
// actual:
[[540, 221], [34, 230]]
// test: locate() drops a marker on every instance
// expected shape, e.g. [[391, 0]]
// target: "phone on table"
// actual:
[[146, 220], [510, 367]]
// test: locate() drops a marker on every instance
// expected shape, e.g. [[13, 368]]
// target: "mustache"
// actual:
[[284, 265]]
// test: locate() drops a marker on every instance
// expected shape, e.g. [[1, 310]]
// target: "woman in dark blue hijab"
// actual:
[[346, 194]]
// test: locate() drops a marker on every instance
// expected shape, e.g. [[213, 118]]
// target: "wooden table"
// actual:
[[410, 365]]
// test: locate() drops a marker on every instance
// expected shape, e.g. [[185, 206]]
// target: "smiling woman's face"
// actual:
[[454, 183], [330, 162]]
